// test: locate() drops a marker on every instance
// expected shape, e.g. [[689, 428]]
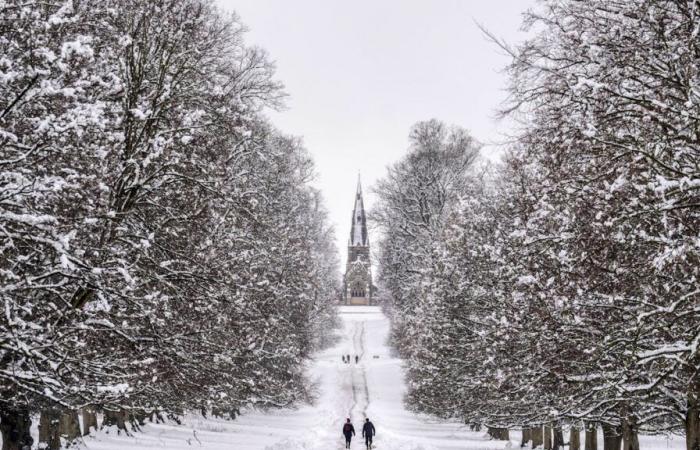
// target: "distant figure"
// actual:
[[348, 430], [343, 358], [348, 358], [357, 359], [367, 432]]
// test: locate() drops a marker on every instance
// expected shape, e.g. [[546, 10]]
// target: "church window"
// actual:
[[357, 293]]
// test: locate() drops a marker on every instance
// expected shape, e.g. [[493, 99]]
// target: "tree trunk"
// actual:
[[692, 418], [156, 417], [559, 438], [591, 436], [89, 420], [15, 429], [115, 418], [69, 426], [526, 437], [500, 434], [630, 438], [536, 434], [55, 424], [547, 437], [49, 424], [574, 438], [137, 419], [611, 437]]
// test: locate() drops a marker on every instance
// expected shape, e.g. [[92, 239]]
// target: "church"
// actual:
[[357, 282]]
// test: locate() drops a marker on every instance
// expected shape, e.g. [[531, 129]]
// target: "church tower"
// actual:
[[358, 271]]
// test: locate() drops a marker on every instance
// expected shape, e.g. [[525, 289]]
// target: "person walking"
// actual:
[[368, 432], [357, 359], [348, 432]]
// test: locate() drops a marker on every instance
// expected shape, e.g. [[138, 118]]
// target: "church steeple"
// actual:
[[358, 229], [358, 288]]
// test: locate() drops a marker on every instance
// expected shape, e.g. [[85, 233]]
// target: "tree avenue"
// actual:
[[162, 249], [559, 290]]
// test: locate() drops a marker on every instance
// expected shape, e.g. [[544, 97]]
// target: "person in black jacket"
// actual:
[[367, 432], [348, 432]]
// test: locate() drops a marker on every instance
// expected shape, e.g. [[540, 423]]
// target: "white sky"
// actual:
[[359, 73]]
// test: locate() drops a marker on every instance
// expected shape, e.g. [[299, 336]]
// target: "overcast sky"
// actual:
[[359, 73]]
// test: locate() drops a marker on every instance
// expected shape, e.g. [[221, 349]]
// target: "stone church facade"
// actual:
[[357, 282]]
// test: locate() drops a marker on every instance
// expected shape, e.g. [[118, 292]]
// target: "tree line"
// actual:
[[558, 291], [162, 247]]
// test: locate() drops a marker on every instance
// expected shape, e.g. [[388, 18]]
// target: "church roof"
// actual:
[[358, 230]]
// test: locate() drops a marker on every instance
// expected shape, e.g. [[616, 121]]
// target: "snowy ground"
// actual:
[[374, 387]]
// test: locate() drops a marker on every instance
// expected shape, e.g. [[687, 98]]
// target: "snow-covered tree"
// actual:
[[414, 200], [608, 87], [569, 295], [162, 247]]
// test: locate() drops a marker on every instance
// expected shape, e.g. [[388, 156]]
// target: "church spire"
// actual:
[[358, 230], [357, 282]]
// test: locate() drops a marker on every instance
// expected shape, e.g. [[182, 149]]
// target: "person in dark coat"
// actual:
[[368, 432], [348, 432]]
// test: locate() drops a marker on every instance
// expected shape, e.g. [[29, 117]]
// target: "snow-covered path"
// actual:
[[378, 388], [374, 387], [360, 394]]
